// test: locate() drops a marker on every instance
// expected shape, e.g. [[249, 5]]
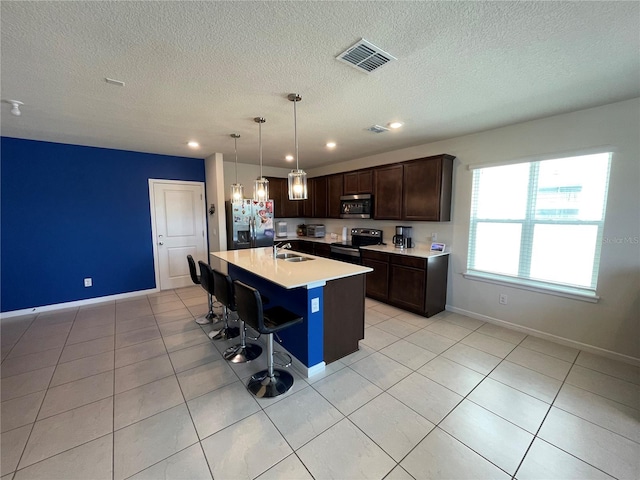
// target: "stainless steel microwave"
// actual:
[[356, 206]]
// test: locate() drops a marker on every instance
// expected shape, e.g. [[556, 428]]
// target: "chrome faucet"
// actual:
[[279, 246]]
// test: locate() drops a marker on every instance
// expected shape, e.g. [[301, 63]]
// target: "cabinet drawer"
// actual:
[[382, 257], [409, 261]]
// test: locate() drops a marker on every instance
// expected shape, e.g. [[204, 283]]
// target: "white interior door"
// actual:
[[179, 230]]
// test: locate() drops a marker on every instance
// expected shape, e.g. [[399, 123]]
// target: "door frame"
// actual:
[[152, 184]]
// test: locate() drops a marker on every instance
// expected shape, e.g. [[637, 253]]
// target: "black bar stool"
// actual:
[[242, 352], [223, 291], [271, 382], [206, 282], [195, 278]]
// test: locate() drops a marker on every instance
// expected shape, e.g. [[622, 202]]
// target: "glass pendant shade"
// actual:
[[261, 189], [297, 185], [237, 192], [297, 179]]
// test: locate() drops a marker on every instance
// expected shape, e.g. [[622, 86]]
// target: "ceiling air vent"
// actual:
[[365, 56], [377, 129]]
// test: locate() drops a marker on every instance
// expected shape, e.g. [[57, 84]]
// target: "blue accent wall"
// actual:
[[70, 212]]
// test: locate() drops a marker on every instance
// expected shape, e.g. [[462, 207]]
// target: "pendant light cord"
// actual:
[[260, 140], [295, 129], [235, 143]]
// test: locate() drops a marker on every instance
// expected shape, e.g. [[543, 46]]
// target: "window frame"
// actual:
[[528, 223]]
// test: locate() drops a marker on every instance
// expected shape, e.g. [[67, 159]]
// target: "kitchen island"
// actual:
[[328, 294]]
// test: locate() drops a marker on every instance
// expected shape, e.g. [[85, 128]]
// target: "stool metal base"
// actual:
[[240, 354], [264, 386], [227, 333]]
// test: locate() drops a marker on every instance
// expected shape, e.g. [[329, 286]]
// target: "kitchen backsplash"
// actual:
[[421, 230]]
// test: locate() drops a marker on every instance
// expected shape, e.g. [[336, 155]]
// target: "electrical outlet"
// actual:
[[503, 299], [434, 237], [315, 305], [88, 282]]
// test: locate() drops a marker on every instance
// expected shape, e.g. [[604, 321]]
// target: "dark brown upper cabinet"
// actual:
[[426, 194], [358, 182], [307, 205], [387, 192], [320, 200], [334, 192], [279, 192]]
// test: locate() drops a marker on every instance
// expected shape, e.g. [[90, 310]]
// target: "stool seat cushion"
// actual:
[[278, 318]]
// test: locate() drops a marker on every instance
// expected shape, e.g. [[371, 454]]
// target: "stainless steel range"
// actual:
[[350, 251]]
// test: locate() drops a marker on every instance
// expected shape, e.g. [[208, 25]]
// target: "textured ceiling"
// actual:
[[203, 70]]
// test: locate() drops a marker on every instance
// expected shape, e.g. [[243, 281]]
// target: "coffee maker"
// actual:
[[402, 238]]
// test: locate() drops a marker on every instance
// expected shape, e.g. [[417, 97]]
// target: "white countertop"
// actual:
[[419, 251], [316, 272]]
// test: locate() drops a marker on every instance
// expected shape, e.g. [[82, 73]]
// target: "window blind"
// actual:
[[540, 222]]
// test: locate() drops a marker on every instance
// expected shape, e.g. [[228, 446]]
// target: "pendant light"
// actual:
[[261, 185], [297, 178], [237, 190]]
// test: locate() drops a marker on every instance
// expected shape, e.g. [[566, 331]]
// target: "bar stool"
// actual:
[[242, 352], [195, 278], [206, 282], [223, 291], [271, 382]]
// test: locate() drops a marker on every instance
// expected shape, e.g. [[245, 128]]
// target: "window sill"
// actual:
[[560, 291]]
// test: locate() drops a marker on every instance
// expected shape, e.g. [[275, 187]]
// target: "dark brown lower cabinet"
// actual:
[[343, 316], [416, 284], [378, 280]]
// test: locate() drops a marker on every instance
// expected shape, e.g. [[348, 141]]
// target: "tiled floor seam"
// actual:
[[535, 436], [47, 390], [20, 338], [465, 397]]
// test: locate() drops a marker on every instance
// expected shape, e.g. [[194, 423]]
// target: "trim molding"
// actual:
[[548, 336], [77, 303]]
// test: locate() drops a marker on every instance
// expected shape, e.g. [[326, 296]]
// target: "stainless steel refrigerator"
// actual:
[[249, 224]]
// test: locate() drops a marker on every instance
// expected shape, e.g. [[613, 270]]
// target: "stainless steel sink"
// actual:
[[287, 256], [298, 259]]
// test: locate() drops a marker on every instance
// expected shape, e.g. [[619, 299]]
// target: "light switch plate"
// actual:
[[315, 305]]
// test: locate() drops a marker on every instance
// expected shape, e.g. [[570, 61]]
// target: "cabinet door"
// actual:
[[427, 189], [378, 280], [388, 192], [275, 193], [307, 205], [360, 181], [334, 192], [320, 204], [407, 287], [322, 250], [279, 192]]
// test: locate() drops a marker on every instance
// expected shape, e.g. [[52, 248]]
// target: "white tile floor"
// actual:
[[135, 389]]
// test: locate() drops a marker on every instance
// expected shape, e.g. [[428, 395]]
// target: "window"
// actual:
[[539, 224]]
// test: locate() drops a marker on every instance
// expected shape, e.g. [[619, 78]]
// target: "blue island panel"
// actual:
[[305, 340]]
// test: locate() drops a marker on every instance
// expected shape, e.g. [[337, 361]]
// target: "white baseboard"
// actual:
[[548, 336], [77, 303]]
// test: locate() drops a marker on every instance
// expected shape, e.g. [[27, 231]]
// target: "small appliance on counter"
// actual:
[[316, 230], [403, 237], [281, 229]]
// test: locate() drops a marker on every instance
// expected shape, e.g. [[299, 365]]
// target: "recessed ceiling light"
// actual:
[[193, 144], [395, 124], [289, 158], [331, 144]]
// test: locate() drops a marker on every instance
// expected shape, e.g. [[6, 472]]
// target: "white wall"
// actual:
[[612, 324]]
